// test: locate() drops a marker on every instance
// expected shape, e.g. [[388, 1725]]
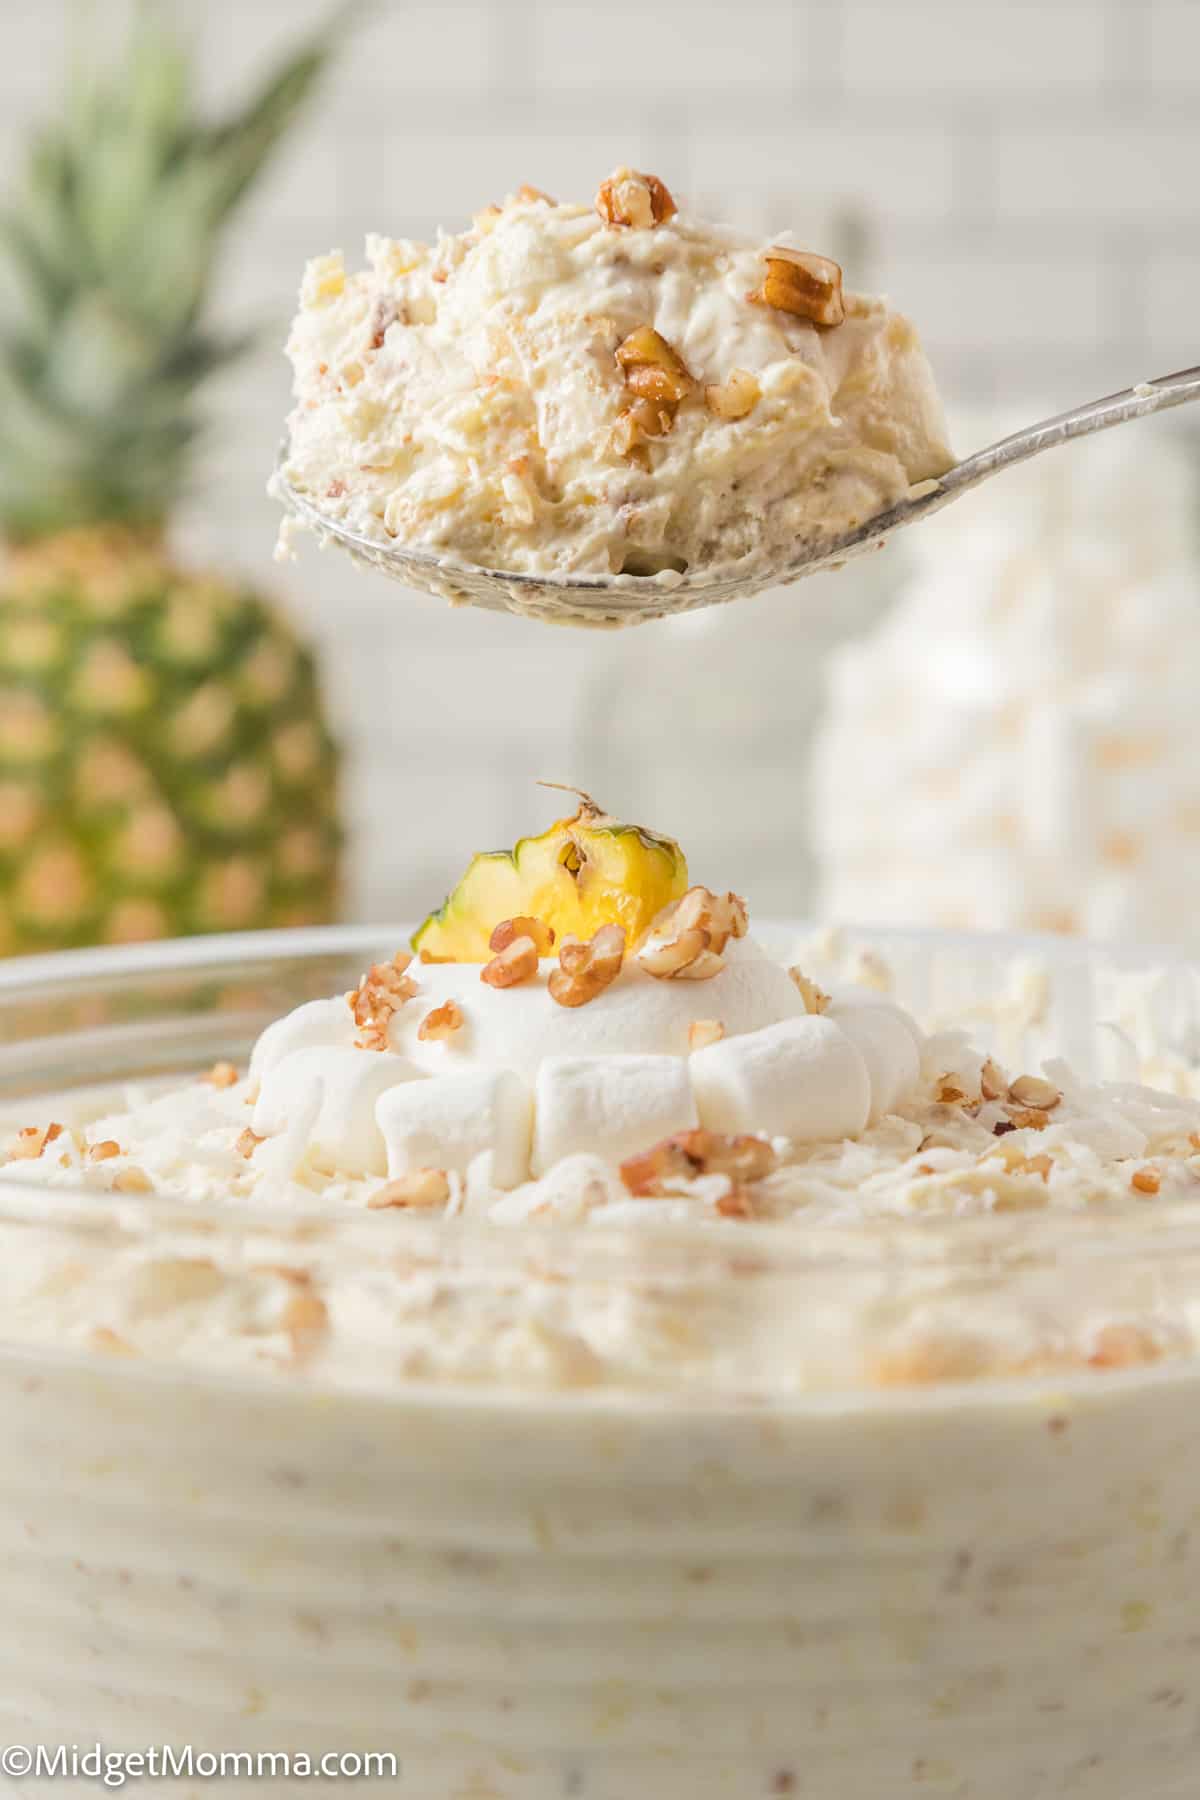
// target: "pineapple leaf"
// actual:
[[107, 251]]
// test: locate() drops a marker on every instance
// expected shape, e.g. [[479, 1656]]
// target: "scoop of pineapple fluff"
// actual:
[[608, 388], [575, 997]]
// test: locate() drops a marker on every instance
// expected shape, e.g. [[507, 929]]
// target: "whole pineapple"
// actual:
[[165, 766]]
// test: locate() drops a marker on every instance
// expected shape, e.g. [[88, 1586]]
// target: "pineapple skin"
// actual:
[[165, 763]]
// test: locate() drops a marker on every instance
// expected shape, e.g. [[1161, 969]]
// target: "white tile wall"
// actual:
[[1020, 174]]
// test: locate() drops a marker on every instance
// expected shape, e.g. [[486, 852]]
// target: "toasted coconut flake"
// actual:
[[32, 1140], [104, 1338], [537, 929], [630, 199], [689, 1154], [420, 1189], [993, 1082], [442, 1023], [304, 1318], [104, 1151], [1145, 1181], [284, 1272], [517, 962], [587, 968], [815, 999], [133, 1181], [736, 1204], [952, 1091], [703, 1032], [1029, 1118], [1124, 1347], [801, 283], [247, 1143], [528, 195], [222, 1075]]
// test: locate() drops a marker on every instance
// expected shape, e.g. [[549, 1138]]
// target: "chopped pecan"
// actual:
[[796, 281], [686, 939], [733, 398], [656, 377], [587, 968], [382, 991], [690, 1154], [636, 428], [653, 369], [630, 199], [517, 962], [736, 1204], [537, 929], [1032, 1090], [418, 1189], [384, 314], [442, 1022]]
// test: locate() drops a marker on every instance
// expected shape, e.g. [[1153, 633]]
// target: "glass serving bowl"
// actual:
[[573, 1513]]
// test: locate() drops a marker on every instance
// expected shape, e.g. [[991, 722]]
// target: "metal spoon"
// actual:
[[613, 600]]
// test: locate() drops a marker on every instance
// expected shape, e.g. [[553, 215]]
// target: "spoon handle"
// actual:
[[1097, 415]]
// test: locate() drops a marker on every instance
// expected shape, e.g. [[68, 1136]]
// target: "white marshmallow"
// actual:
[[345, 1135], [851, 993], [883, 1037], [446, 1121], [609, 1106], [803, 1079]]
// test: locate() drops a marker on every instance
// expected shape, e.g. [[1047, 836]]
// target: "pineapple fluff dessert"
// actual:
[[584, 1037], [611, 388], [166, 766]]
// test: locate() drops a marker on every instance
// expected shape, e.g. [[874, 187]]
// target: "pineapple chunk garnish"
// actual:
[[584, 872]]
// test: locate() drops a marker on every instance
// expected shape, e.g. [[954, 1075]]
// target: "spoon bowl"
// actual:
[[616, 600]]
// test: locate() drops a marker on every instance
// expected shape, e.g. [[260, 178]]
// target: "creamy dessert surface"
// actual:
[[676, 1122], [603, 388]]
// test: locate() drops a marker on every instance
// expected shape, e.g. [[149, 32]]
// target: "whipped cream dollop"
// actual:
[[1017, 744], [553, 392], [530, 1082]]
